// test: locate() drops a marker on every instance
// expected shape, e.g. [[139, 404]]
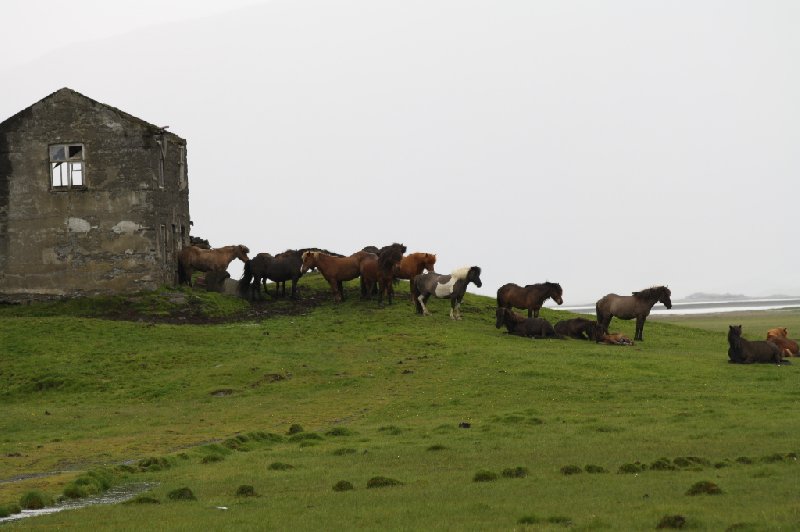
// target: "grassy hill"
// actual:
[[479, 430]]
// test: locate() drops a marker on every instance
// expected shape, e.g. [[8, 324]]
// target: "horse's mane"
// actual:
[[654, 292], [460, 273]]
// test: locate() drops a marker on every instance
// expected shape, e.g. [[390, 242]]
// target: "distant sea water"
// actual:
[[701, 307]]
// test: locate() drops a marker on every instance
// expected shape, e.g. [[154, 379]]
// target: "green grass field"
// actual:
[[561, 433]]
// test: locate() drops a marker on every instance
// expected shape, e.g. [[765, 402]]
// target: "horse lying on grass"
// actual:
[[522, 326], [779, 337], [741, 351], [578, 328]]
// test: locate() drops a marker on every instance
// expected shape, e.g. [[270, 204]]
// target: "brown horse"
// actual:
[[193, 258], [335, 270], [779, 337], [636, 306], [412, 265], [380, 271], [578, 328], [521, 326], [530, 297]]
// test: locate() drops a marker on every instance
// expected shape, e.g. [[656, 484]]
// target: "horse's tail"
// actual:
[[501, 296], [183, 277], [247, 276]]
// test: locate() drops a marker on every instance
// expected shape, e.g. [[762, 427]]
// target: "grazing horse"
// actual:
[[280, 268], [780, 338], [452, 286], [335, 270], [521, 326], [636, 306], [380, 271], [741, 351], [193, 258], [530, 297], [578, 328]]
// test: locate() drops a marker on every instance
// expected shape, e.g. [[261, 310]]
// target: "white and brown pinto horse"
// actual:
[[452, 287], [193, 258]]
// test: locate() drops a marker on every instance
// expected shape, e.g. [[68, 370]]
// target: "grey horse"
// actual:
[[636, 306]]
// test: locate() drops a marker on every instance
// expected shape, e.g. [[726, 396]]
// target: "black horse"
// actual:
[[741, 351], [452, 287], [521, 326], [636, 306], [578, 328], [279, 268]]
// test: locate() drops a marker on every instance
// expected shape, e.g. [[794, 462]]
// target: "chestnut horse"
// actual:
[[530, 297], [636, 306], [779, 337], [380, 271], [193, 258], [601, 336], [741, 351], [412, 265], [335, 270]]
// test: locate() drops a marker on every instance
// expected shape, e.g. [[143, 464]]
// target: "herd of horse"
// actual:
[[379, 268]]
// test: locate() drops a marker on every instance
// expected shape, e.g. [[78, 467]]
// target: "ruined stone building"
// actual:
[[92, 200]]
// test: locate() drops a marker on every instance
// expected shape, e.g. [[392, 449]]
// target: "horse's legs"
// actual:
[[340, 288], [531, 312], [423, 298], [294, 289], [639, 329]]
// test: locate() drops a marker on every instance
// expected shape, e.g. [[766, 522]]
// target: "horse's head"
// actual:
[[664, 296], [309, 261], [555, 292], [779, 332], [474, 275], [734, 331], [500, 317], [430, 261], [241, 252]]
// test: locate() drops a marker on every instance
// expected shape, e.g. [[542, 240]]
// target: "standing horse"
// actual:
[[380, 271], [193, 258], [741, 351], [280, 268], [452, 286], [636, 306], [335, 270], [527, 327], [530, 297], [412, 265]]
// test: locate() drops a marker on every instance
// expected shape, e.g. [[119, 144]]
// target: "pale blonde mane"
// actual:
[[460, 273]]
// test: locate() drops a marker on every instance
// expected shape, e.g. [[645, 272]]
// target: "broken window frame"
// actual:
[[67, 166]]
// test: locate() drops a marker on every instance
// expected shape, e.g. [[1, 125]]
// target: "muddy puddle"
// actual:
[[112, 496]]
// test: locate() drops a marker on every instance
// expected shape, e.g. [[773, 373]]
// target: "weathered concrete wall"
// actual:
[[119, 233]]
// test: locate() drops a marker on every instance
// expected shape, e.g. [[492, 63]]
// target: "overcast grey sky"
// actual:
[[605, 145]]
